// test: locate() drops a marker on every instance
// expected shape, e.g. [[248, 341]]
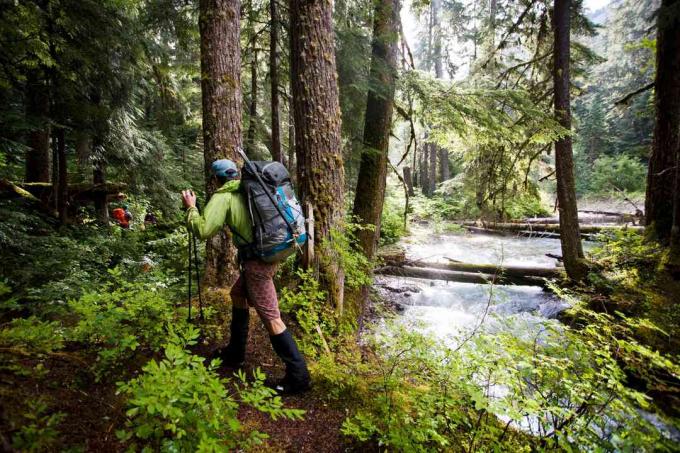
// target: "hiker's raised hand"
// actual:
[[189, 198]]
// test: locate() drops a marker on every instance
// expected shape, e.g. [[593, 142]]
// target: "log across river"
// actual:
[[397, 265], [489, 227]]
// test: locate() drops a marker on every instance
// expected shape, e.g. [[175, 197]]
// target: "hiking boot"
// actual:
[[286, 387], [297, 378], [234, 354]]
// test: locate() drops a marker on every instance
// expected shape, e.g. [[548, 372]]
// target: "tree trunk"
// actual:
[[274, 79], [416, 180], [99, 177], [437, 39], [661, 174], [219, 25], [424, 171], [316, 106], [62, 175], [37, 112], [432, 168], [252, 111], [444, 173], [570, 237], [370, 191], [292, 164], [408, 180]]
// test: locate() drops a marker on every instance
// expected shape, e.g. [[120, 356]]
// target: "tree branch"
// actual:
[[624, 100]]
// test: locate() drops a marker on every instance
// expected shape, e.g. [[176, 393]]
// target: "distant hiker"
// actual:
[[122, 216], [255, 286], [150, 219]]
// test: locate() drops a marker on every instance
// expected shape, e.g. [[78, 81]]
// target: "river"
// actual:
[[449, 310]]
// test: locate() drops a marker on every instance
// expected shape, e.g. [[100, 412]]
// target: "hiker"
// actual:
[[255, 285], [122, 216], [150, 219]]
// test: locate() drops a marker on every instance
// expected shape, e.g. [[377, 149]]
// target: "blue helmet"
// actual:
[[224, 168]]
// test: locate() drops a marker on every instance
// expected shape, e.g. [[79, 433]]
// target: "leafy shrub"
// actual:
[[524, 206], [391, 224], [121, 318], [559, 388], [314, 316], [179, 404], [24, 338], [355, 264], [38, 430], [617, 172]]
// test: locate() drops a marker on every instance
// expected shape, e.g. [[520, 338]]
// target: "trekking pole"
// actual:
[[198, 281], [189, 255]]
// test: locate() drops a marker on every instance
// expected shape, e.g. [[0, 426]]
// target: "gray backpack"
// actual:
[[276, 214]]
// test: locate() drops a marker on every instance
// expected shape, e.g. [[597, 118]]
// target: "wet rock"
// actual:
[[553, 308]]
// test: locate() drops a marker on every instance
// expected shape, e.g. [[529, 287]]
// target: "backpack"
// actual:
[[275, 212], [121, 217]]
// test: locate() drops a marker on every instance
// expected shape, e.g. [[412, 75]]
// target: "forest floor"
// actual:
[[318, 431]]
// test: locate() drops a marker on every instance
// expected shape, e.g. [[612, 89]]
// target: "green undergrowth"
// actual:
[[86, 310], [442, 207], [180, 404], [629, 284], [559, 388]]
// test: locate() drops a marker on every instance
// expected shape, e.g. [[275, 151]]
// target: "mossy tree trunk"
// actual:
[[370, 191], [274, 80], [219, 25], [252, 111], [570, 236], [666, 142], [316, 106]]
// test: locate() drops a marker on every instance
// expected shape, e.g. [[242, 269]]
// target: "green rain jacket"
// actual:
[[226, 206]]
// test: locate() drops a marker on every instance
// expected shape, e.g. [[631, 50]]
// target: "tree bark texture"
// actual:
[[416, 180], [444, 173], [570, 237], [37, 112], [370, 191], [659, 205], [252, 110], [62, 177], [424, 170], [219, 25], [99, 177], [316, 106], [408, 180], [274, 79], [437, 39], [432, 168]]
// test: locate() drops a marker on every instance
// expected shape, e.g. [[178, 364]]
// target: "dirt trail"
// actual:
[[318, 431]]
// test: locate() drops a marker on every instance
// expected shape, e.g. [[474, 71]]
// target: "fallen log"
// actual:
[[11, 188], [490, 269], [79, 191], [474, 229], [392, 254], [455, 276], [548, 228], [535, 233], [607, 213]]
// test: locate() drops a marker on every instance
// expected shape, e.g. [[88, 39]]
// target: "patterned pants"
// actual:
[[255, 286]]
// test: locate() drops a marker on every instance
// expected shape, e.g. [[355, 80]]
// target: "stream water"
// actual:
[[448, 310]]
